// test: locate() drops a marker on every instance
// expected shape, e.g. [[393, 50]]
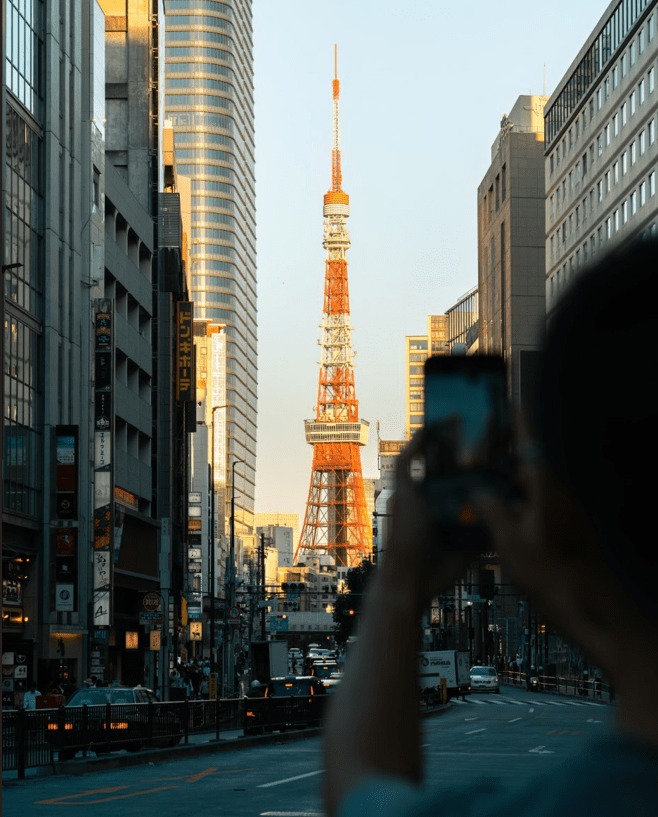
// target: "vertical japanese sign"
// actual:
[[66, 513], [103, 463], [185, 375]]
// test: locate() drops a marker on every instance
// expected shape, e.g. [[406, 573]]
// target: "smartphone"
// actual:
[[468, 442]]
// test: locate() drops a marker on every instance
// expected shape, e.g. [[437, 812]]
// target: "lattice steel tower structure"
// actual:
[[336, 521]]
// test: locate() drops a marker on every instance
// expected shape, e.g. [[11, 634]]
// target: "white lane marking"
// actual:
[[292, 813], [531, 710], [424, 745], [479, 703], [540, 750], [591, 720], [474, 718], [476, 730], [289, 779], [514, 720]]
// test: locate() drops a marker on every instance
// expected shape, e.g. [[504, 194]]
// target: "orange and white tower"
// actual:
[[336, 521]]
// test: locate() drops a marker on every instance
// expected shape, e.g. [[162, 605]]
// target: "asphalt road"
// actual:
[[508, 736]]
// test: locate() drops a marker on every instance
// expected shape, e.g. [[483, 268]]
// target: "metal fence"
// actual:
[[33, 738], [593, 688]]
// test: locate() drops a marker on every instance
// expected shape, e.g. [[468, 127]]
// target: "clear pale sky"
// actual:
[[423, 88]]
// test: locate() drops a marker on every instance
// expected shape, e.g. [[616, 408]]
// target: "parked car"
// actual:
[[131, 725], [291, 702], [484, 679]]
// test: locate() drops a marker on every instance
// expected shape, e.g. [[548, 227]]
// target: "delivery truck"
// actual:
[[453, 665], [269, 659]]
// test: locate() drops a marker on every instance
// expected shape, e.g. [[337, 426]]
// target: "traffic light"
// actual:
[[293, 587]]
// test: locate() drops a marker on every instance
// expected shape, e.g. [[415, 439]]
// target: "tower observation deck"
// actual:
[[336, 521]]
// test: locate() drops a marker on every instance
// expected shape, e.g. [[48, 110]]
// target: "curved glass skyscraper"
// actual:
[[209, 99]]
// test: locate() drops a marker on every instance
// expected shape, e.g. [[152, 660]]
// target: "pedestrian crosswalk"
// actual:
[[501, 700]]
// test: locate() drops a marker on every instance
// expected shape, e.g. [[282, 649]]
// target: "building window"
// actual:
[[651, 129], [504, 172], [599, 191], [615, 124], [497, 186], [651, 28], [607, 134], [624, 163], [570, 180], [633, 154], [615, 77], [632, 103], [624, 212], [641, 41], [631, 53], [652, 183], [584, 209], [624, 64], [552, 246], [643, 193], [599, 145], [607, 182], [599, 99], [615, 172], [577, 216], [640, 92], [608, 229], [651, 76], [551, 164], [642, 141], [570, 138], [606, 88], [615, 218], [633, 203], [623, 114], [584, 164]]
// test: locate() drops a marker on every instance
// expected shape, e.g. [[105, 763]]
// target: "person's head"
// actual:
[[594, 418]]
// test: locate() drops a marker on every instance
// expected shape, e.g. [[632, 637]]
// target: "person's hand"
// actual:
[[413, 555]]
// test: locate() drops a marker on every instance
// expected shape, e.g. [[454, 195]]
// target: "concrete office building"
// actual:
[[511, 244], [52, 133], [209, 100], [417, 349], [601, 151]]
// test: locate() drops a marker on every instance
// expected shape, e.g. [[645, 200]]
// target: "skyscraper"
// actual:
[[209, 100]]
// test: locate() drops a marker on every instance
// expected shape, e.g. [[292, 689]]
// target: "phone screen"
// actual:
[[466, 405]]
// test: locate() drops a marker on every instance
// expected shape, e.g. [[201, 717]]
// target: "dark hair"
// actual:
[[594, 413]]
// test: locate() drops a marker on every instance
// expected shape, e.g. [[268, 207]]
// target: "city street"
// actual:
[[509, 736]]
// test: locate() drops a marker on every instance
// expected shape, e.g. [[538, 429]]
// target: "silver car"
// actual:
[[484, 679]]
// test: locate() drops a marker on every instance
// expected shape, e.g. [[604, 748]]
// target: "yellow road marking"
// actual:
[[552, 732], [66, 800], [564, 732], [196, 777], [56, 800]]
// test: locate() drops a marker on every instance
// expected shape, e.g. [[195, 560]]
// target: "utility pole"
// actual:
[[262, 586], [212, 539], [230, 585]]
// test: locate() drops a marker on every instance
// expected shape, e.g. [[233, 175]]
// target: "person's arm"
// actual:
[[373, 721]]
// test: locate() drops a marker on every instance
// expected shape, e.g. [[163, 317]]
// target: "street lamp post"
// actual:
[[213, 555], [230, 584]]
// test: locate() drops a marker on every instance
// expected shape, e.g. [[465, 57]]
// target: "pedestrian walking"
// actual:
[[30, 697]]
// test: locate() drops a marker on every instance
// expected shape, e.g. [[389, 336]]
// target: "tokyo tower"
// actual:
[[336, 520]]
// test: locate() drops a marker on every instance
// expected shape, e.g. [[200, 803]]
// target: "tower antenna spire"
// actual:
[[336, 175], [336, 521]]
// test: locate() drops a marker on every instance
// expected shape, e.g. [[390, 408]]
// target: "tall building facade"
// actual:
[[417, 349], [52, 120], [209, 101], [601, 150], [511, 243]]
